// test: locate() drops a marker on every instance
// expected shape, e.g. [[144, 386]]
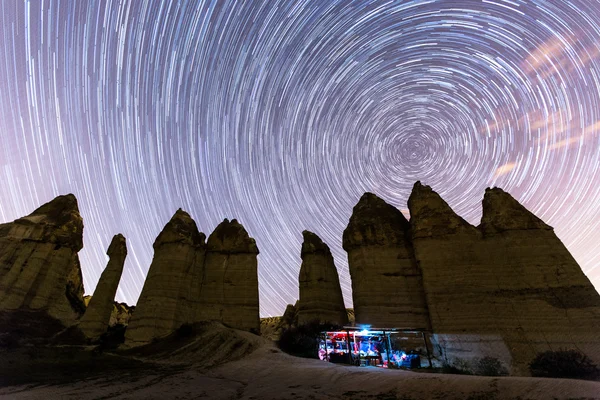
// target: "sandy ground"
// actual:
[[261, 371]]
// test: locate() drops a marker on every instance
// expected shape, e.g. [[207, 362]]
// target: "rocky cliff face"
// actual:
[[320, 292], [229, 289], [508, 289], [167, 298], [387, 288], [97, 316], [39, 266]]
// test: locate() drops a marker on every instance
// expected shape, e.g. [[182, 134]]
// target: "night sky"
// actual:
[[282, 113]]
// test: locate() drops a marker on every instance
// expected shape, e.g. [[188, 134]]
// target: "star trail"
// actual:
[[282, 113]]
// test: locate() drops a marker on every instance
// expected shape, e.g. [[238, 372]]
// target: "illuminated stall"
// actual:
[[385, 348]]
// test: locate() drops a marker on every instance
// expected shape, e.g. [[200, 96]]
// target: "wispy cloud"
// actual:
[[505, 169]]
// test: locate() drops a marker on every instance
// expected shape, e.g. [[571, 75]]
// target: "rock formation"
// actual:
[[168, 298], [320, 292], [541, 298], [387, 287], [120, 314], [97, 316], [39, 266], [508, 289], [229, 288]]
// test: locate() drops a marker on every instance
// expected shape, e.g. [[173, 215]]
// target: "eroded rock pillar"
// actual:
[[320, 292], [97, 316], [387, 288], [229, 291], [169, 298]]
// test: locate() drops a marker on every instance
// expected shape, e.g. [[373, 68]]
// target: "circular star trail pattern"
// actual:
[[282, 113]]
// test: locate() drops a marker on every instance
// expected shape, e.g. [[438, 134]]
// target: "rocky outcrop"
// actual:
[[537, 293], [501, 213], [120, 314], [449, 252], [39, 266], [387, 288], [229, 288], [507, 289], [431, 216], [169, 296], [271, 328], [320, 292], [97, 316], [190, 281]]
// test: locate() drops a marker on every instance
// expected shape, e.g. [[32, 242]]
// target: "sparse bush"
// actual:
[[303, 340], [563, 364], [490, 366], [457, 367], [112, 338]]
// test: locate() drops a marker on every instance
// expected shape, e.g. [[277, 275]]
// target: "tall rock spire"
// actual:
[[320, 292], [96, 319], [229, 291], [168, 299], [387, 288], [39, 266]]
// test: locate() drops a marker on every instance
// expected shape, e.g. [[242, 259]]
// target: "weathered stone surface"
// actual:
[[320, 292], [374, 223], [168, 298], [121, 314], [501, 212], [229, 289], [75, 289], [39, 266], [431, 216], [545, 299], [97, 316], [451, 257], [387, 287], [509, 289]]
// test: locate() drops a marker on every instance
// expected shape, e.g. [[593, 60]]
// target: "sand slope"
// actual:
[[243, 366]]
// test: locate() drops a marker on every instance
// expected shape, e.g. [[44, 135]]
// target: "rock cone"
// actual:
[[97, 316], [168, 297], [320, 292]]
